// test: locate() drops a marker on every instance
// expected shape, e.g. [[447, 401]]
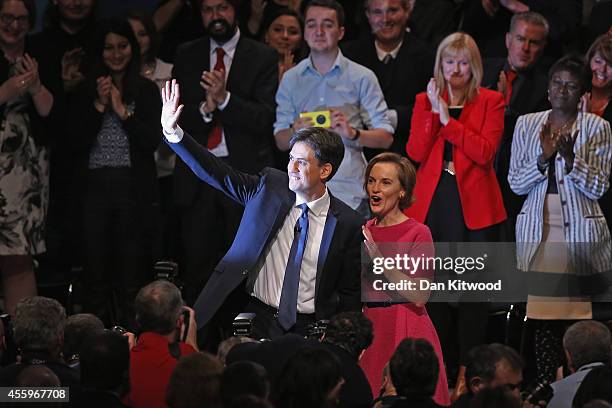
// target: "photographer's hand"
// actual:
[[192, 331]]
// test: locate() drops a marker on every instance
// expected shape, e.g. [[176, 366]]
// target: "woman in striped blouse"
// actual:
[[561, 160]]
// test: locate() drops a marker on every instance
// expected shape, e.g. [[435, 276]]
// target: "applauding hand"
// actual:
[[171, 110]]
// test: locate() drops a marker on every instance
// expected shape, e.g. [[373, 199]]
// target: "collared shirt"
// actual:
[[382, 54], [269, 282], [230, 49], [349, 87]]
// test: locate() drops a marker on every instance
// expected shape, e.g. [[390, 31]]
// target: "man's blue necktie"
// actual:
[[287, 308]]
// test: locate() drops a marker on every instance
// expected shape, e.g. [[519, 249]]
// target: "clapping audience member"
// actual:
[[311, 378], [162, 342], [587, 345], [261, 11], [283, 31], [597, 101], [24, 157], [414, 369], [519, 77], [348, 335], [104, 364], [113, 142], [63, 55], [244, 378], [390, 181], [77, 329], [195, 382], [561, 161], [491, 366], [401, 61], [39, 334], [456, 129]]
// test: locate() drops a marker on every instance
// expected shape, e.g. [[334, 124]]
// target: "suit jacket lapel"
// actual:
[[328, 234]]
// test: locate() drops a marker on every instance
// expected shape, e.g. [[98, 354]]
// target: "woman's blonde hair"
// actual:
[[460, 44]]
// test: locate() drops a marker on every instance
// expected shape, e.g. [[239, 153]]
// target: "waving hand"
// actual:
[[171, 110]]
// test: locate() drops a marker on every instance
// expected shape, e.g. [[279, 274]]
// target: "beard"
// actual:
[[220, 30]]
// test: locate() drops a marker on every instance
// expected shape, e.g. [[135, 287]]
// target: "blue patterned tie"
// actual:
[[287, 309]]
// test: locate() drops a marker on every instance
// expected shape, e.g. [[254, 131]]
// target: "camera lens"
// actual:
[[320, 119]]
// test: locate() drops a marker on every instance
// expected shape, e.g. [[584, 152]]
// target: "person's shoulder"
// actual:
[[193, 46], [419, 230], [340, 209]]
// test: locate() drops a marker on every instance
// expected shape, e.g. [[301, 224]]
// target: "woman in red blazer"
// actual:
[[456, 130]]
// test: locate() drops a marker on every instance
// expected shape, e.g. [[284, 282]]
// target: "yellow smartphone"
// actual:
[[319, 118]]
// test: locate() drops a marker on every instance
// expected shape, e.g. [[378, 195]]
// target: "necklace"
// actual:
[[148, 69]]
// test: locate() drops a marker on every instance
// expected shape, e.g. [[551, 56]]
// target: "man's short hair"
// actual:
[[158, 306], [483, 360], [39, 324], [331, 4], [351, 331], [326, 145], [414, 368], [530, 17], [406, 4], [105, 361], [202, 369], [76, 330], [587, 342]]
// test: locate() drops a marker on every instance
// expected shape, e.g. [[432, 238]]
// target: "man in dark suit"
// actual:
[[524, 86], [297, 247], [229, 83], [402, 63]]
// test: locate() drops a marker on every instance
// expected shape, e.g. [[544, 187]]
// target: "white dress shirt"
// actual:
[[269, 283]]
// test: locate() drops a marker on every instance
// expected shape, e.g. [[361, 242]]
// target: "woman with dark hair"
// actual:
[[561, 160], [152, 68], [456, 130], [24, 158], [113, 141], [312, 377], [283, 31], [389, 181]]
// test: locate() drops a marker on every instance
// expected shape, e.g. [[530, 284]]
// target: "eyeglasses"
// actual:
[[8, 19]]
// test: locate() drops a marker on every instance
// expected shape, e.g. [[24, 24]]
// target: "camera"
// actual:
[[242, 326], [167, 270], [317, 329], [319, 118], [539, 391]]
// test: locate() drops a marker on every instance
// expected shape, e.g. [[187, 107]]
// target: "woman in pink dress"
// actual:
[[389, 181]]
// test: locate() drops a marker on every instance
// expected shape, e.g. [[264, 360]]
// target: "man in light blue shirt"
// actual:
[[326, 80]]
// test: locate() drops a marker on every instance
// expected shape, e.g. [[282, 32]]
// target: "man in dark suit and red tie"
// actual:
[[229, 82], [296, 252], [524, 84]]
